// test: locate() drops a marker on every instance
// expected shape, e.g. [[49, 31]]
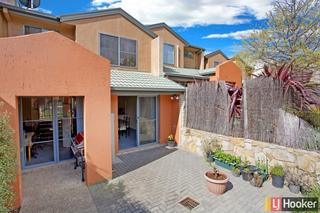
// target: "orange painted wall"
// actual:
[[209, 62], [114, 110], [62, 68], [228, 71], [168, 116]]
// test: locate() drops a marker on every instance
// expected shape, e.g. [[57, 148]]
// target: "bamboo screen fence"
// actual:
[[207, 109]]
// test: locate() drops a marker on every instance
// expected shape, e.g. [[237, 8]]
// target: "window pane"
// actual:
[[168, 54], [127, 59], [216, 63], [109, 48], [127, 45], [31, 30]]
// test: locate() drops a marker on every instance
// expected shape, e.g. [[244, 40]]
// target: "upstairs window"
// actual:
[[31, 30], [120, 51], [168, 54], [188, 54], [216, 63]]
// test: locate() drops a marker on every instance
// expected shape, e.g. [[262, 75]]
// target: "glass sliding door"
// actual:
[[37, 130], [47, 126], [69, 117], [147, 120]]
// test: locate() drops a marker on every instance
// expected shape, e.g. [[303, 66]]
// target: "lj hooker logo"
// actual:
[[291, 204]]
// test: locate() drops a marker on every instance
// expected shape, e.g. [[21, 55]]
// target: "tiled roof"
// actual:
[[208, 71], [139, 81], [187, 73]]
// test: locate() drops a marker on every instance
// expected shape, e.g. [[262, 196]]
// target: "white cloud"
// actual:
[[235, 35], [42, 10], [103, 2], [187, 13]]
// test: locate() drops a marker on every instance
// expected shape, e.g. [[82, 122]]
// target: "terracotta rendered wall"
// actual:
[[209, 62], [169, 114], [114, 110], [87, 34], [228, 71], [167, 37], [62, 68]]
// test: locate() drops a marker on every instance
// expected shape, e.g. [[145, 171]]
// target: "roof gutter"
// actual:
[[130, 89], [186, 76], [29, 13]]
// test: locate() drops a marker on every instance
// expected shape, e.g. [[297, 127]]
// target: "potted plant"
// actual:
[[236, 171], [257, 180], [209, 146], [294, 180], [277, 174], [262, 168], [216, 180], [171, 142], [226, 160], [247, 174]]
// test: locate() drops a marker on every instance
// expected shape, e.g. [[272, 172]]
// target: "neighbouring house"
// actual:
[[102, 73]]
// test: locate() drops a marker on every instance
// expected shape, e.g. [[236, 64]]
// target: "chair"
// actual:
[[28, 143], [124, 126], [77, 147]]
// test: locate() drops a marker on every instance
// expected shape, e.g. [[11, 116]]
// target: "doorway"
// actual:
[[137, 121], [47, 126]]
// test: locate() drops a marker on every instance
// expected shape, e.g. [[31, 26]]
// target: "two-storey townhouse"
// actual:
[[48, 104], [66, 86]]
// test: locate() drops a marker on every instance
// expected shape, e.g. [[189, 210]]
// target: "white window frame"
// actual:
[[119, 37]]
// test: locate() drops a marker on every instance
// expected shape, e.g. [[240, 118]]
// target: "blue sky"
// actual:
[[211, 24]]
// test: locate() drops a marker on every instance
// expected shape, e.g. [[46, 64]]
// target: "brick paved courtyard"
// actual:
[[159, 185], [153, 180]]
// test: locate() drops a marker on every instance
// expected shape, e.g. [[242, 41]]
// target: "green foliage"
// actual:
[[292, 35], [209, 146], [236, 170], [262, 166], [277, 170], [7, 162], [226, 157]]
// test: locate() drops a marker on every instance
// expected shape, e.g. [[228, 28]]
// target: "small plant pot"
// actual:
[[171, 143], [264, 175], [217, 187], [257, 181], [277, 181], [247, 176], [294, 188]]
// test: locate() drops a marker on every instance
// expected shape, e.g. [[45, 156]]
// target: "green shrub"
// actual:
[[277, 170], [226, 157], [7, 162]]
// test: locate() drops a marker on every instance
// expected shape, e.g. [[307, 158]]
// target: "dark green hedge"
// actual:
[[7, 161]]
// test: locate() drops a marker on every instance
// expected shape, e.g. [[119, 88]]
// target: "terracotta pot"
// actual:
[[217, 187]]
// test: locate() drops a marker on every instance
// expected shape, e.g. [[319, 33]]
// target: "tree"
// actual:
[[292, 35], [7, 162]]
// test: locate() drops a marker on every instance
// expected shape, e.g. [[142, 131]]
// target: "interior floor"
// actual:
[[129, 140], [41, 153]]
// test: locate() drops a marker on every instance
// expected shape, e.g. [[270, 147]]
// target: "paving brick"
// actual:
[[156, 180]]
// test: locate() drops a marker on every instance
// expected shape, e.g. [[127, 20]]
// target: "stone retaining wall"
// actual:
[[307, 161]]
